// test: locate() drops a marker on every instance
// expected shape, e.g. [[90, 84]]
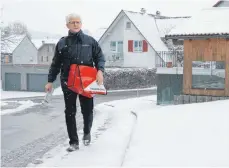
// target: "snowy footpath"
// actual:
[[136, 133]]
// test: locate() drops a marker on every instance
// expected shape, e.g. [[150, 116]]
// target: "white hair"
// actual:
[[72, 15]]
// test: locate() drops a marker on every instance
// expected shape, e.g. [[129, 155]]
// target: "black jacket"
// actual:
[[75, 49]]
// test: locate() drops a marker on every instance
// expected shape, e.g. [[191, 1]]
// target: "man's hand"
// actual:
[[48, 87], [99, 77]]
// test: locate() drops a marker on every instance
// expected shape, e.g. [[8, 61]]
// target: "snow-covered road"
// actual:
[[29, 133]]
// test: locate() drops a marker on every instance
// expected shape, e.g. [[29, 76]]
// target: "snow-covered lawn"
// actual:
[[182, 135]]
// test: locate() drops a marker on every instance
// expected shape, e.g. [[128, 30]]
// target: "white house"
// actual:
[[134, 40], [19, 49], [46, 50]]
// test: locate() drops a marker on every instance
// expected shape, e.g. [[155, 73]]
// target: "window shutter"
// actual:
[[130, 46], [145, 46]]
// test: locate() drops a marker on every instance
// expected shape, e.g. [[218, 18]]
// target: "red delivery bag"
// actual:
[[82, 80]]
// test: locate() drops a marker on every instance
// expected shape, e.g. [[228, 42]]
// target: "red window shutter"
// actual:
[[130, 46], [145, 46]]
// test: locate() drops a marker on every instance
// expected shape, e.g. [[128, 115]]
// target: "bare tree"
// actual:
[[18, 28], [10, 33]]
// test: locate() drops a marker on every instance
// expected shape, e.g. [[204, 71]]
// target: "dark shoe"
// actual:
[[73, 147], [87, 139]]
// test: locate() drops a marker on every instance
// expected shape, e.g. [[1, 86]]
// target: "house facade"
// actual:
[[19, 50], [122, 39], [25, 77], [29, 73], [46, 50], [133, 40], [46, 53]]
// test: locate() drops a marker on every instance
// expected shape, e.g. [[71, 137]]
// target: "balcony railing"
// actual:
[[114, 59], [170, 59]]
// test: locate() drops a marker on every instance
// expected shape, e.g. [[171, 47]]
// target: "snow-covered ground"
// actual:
[[57, 91], [182, 135], [27, 104], [23, 105], [21, 94]]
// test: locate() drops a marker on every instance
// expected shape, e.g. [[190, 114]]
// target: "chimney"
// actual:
[[158, 13], [143, 11]]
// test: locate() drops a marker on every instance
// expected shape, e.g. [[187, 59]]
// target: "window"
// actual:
[[47, 59], [208, 75], [138, 47], [6, 59], [128, 25], [50, 48], [113, 46]]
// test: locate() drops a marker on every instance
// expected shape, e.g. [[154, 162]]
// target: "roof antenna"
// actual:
[[143, 11], [158, 13]]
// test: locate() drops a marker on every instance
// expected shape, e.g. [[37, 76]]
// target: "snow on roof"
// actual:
[[220, 2], [10, 43], [39, 42], [146, 24], [211, 21], [166, 25]]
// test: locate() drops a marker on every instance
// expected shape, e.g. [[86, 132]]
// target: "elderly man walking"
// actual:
[[76, 48]]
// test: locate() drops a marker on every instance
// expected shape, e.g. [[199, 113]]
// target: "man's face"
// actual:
[[74, 25]]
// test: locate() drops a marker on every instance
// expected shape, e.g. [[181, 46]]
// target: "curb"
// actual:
[[130, 137]]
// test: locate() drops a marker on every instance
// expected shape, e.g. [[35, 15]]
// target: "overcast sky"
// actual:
[[49, 15]]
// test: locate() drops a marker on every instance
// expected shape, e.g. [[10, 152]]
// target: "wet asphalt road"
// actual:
[[29, 134]]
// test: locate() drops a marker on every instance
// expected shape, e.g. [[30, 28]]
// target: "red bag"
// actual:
[[82, 80]]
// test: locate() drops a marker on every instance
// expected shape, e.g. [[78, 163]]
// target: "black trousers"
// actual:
[[86, 104]]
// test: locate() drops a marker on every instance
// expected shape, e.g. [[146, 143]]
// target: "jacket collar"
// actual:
[[77, 35]]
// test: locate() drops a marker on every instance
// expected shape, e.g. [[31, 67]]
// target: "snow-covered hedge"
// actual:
[[129, 78]]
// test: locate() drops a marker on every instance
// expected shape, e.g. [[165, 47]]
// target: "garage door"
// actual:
[[37, 82], [12, 81]]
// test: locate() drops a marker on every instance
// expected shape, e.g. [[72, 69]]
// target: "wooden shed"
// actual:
[[206, 52]]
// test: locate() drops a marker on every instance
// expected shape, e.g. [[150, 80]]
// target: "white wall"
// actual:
[[44, 52], [120, 33], [25, 53], [133, 59], [116, 34]]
